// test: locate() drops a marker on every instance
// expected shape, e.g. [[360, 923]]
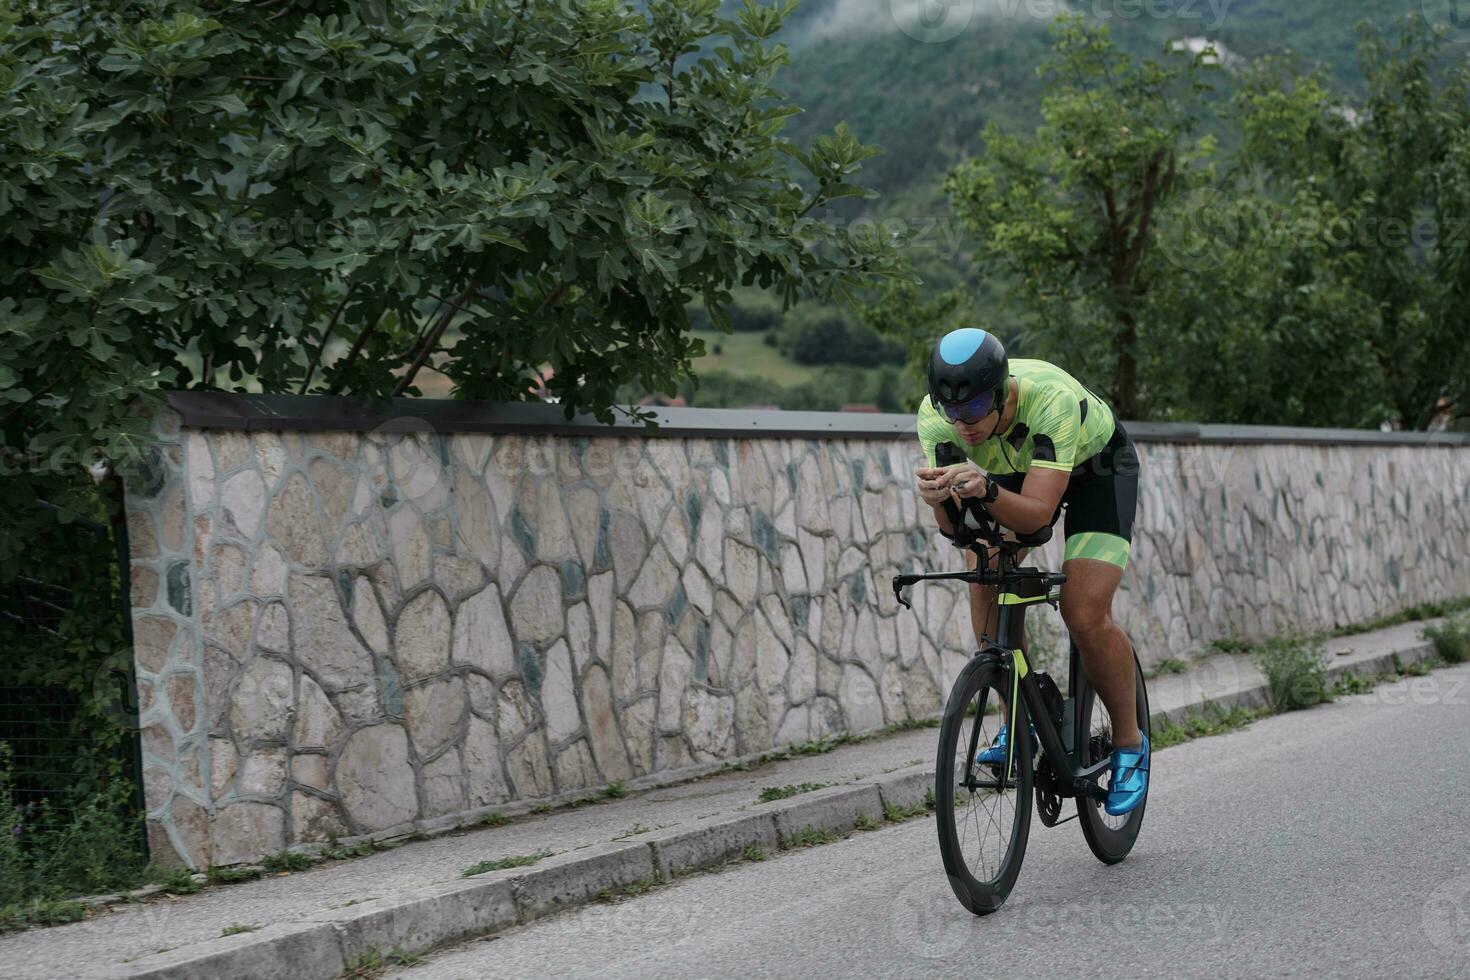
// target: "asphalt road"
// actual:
[[1330, 842]]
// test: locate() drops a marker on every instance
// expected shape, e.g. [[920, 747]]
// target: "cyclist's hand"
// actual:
[[965, 480], [930, 484]]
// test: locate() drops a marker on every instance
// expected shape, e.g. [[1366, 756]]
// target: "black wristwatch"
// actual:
[[992, 490]]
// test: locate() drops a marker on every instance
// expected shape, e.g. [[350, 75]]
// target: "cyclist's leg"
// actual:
[[1100, 510]]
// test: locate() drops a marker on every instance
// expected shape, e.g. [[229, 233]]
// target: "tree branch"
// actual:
[[326, 336], [432, 340]]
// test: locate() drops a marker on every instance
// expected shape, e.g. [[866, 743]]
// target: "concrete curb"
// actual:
[[322, 946], [416, 922]]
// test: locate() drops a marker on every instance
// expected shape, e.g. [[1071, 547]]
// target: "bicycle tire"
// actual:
[[1110, 838], [980, 886]]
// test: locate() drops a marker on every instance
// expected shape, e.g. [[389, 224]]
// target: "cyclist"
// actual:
[[1035, 440]]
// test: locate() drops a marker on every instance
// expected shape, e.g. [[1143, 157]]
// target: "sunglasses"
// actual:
[[971, 411]]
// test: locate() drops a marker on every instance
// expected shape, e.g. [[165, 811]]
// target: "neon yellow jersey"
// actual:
[[1059, 423]]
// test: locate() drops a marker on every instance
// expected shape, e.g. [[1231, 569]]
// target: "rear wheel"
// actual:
[[1110, 837], [983, 812]]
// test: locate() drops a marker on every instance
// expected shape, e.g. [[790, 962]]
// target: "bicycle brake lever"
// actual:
[[898, 587]]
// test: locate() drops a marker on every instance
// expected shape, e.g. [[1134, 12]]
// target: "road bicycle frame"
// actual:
[[1019, 586]]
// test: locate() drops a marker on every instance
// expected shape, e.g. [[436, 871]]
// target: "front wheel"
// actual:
[[983, 812], [1110, 837]]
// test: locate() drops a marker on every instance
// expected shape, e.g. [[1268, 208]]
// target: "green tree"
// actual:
[[1067, 213], [1323, 279], [336, 196]]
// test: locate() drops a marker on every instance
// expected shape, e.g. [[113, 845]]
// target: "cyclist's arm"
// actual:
[[1032, 508], [1057, 426]]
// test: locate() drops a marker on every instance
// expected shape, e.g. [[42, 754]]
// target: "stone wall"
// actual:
[[342, 634]]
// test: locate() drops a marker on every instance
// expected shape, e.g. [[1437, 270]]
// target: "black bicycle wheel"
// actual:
[[1110, 837], [983, 817]]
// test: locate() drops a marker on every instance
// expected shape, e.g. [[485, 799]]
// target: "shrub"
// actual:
[[1296, 673], [1451, 639]]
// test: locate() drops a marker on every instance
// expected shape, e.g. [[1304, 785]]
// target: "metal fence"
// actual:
[[48, 744]]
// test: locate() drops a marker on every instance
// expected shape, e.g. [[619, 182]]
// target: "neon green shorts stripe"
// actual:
[[1099, 546]]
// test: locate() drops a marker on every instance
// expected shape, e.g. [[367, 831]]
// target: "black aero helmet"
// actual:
[[968, 371]]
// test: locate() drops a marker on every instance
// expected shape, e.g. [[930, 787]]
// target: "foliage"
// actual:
[[335, 197], [1451, 638], [898, 311], [1334, 249], [47, 855], [828, 391], [813, 335], [500, 864], [1315, 275], [1296, 673], [1068, 212], [769, 793]]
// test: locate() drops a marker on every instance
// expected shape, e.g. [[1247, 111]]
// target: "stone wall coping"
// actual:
[[228, 410]]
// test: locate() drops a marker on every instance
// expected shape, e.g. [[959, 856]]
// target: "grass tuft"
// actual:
[[1451, 639], [614, 790], [807, 837], [237, 929], [177, 879], [633, 831], [753, 853], [1169, 665], [789, 790], [231, 875], [1209, 720], [500, 864], [494, 819], [632, 889], [284, 861]]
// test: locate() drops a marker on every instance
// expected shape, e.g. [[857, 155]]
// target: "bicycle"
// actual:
[[1075, 733]]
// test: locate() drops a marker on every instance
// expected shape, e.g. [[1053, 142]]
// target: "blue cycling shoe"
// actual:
[[996, 754], [1130, 779]]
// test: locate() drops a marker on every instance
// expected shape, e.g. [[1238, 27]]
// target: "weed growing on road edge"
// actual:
[[399, 956], [494, 819], [806, 837], [1296, 672], [1209, 720], [367, 965], [1169, 665], [40, 912], [283, 861], [499, 864], [632, 889], [633, 831], [753, 853], [770, 793], [178, 879], [864, 822], [1424, 610], [237, 929], [222, 875], [614, 790], [1451, 639]]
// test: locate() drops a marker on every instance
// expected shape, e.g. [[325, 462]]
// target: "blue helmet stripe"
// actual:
[[958, 345]]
